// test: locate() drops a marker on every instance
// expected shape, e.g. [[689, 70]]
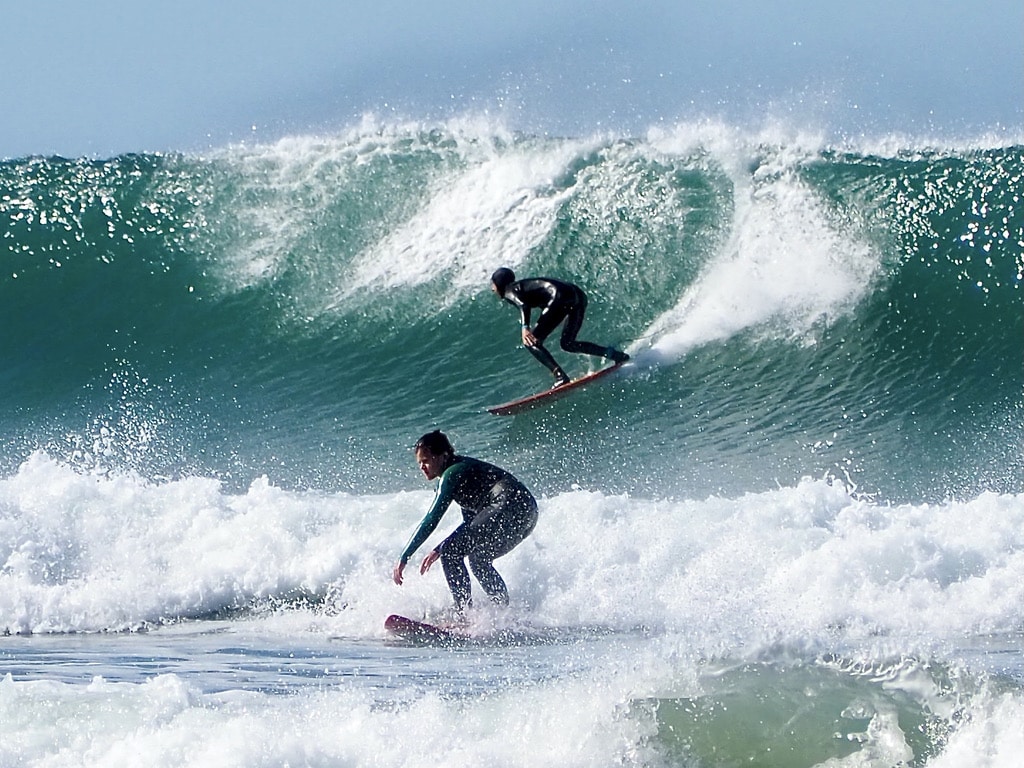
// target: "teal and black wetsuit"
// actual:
[[498, 512], [557, 301]]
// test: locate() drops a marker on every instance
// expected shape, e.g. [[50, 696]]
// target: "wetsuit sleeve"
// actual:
[[513, 298], [442, 500]]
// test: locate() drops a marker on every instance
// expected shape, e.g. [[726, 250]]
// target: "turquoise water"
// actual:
[[305, 310], [788, 533]]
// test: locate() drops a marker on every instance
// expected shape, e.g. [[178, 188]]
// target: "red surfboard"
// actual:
[[532, 401], [421, 632]]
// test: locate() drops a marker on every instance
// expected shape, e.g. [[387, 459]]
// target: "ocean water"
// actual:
[[789, 533]]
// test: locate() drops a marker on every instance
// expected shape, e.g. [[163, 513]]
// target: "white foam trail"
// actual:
[[787, 265]]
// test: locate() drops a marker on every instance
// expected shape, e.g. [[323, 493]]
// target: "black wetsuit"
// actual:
[[557, 301], [498, 512]]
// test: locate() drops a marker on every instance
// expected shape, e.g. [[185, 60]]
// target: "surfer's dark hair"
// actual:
[[502, 278], [435, 442]]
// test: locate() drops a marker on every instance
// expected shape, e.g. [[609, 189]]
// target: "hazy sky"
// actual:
[[108, 76]]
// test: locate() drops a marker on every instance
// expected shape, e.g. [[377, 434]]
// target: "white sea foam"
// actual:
[[674, 582], [86, 553], [603, 718], [491, 214], [111, 724]]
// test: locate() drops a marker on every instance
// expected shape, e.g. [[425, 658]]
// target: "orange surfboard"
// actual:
[[531, 401]]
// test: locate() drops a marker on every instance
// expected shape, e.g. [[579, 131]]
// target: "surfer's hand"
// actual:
[[529, 339], [397, 574], [429, 560]]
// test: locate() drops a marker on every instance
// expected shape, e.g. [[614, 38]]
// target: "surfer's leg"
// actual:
[[550, 363], [573, 324], [546, 323], [458, 581], [501, 532], [453, 553], [489, 578]]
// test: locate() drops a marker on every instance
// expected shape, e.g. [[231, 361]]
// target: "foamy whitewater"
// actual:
[[789, 533]]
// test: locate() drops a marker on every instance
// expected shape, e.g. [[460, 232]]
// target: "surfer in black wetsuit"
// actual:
[[498, 512], [557, 301]]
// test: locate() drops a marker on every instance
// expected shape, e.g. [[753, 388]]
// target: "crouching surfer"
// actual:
[[498, 512], [558, 302]]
